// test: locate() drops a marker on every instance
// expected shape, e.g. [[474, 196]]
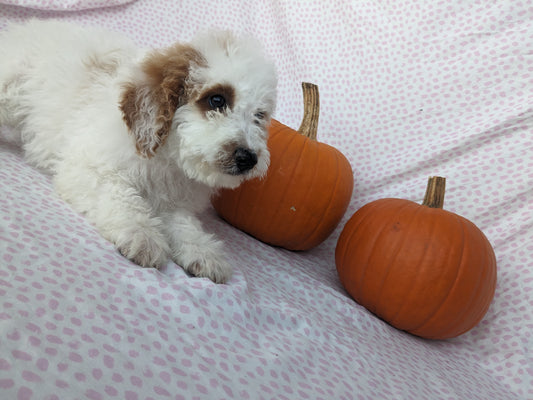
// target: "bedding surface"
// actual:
[[409, 89], [64, 5]]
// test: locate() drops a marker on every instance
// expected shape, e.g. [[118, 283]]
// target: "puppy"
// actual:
[[138, 140]]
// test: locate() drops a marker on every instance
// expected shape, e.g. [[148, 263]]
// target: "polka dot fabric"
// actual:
[[408, 89], [64, 5]]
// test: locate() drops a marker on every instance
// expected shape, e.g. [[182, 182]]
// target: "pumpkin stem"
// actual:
[[434, 197], [309, 124]]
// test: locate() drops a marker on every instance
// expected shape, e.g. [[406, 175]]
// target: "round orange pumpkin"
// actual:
[[305, 193], [422, 269]]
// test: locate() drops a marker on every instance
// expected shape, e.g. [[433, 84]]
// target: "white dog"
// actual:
[[138, 140]]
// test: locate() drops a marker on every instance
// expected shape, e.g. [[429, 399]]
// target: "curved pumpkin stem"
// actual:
[[434, 197], [309, 125]]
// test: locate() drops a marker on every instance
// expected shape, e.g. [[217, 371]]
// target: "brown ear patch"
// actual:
[[148, 105], [129, 105]]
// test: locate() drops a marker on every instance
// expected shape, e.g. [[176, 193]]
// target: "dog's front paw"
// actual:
[[204, 263], [147, 249], [219, 271]]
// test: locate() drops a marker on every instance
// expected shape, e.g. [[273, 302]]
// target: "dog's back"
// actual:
[[45, 68]]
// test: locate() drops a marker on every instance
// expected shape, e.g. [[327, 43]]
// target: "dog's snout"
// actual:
[[245, 159]]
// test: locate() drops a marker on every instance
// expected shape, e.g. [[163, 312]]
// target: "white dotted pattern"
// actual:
[[408, 89]]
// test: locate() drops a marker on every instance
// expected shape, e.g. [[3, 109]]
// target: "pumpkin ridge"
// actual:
[[334, 203], [331, 196], [460, 317], [491, 258], [267, 227], [473, 292], [399, 246], [434, 314], [353, 231], [374, 244], [407, 299], [314, 146]]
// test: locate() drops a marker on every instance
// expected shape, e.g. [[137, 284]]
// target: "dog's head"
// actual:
[[207, 105]]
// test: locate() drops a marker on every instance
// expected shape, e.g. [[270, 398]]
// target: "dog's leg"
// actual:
[[119, 213], [195, 250]]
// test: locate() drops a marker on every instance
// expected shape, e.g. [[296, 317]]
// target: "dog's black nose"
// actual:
[[245, 159]]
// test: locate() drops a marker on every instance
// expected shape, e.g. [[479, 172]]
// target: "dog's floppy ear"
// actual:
[[149, 101]]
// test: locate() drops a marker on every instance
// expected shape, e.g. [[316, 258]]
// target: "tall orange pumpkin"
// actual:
[[305, 193], [422, 269]]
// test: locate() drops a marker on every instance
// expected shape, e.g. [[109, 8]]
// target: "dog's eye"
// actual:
[[260, 115], [216, 101]]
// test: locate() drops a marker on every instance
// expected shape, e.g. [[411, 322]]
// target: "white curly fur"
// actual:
[[135, 139]]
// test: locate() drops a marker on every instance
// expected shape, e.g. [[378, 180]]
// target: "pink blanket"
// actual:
[[408, 90]]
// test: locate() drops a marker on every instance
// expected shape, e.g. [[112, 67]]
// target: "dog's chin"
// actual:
[[223, 178], [231, 179], [229, 182]]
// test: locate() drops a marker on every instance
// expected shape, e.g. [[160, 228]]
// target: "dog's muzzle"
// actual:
[[244, 159]]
